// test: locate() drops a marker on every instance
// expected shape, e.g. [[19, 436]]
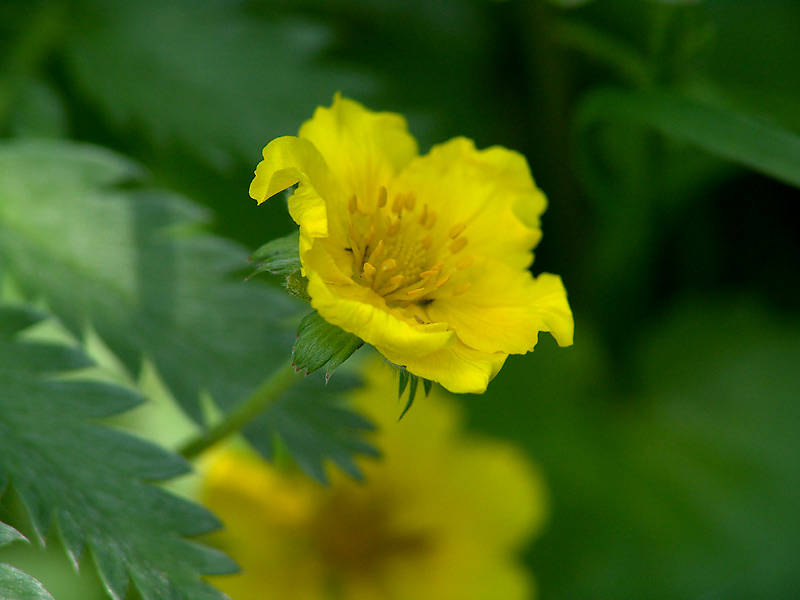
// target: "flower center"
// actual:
[[353, 533], [396, 251]]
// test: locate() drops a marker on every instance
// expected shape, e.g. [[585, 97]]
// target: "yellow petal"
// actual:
[[490, 191], [288, 161], [365, 150], [504, 309], [359, 310], [457, 368]]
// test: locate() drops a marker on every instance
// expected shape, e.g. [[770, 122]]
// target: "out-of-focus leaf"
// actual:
[[315, 426], [15, 584], [683, 487], [89, 481], [207, 74], [134, 264], [741, 138]]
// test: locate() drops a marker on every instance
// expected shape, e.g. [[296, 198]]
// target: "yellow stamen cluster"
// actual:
[[396, 253]]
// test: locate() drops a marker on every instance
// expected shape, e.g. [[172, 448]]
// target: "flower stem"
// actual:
[[281, 380]]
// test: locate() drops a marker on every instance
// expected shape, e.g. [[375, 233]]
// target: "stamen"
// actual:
[[394, 228], [376, 253], [352, 205], [398, 204], [368, 274], [442, 280], [391, 285], [457, 229], [461, 288], [464, 262], [430, 220], [427, 242], [411, 201], [424, 214], [414, 294], [389, 264], [458, 245], [382, 197]]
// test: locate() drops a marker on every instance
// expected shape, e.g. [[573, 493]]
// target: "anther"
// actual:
[[411, 201], [382, 197], [457, 229], [398, 204], [391, 285], [442, 280], [424, 214], [461, 288], [430, 220], [389, 264], [427, 242], [463, 263], [394, 228], [414, 294], [458, 245], [352, 204]]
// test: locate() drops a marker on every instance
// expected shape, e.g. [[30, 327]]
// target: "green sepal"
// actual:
[[279, 256], [297, 286], [407, 380], [321, 344]]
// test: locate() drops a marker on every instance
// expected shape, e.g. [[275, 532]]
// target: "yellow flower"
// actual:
[[441, 516], [424, 257]]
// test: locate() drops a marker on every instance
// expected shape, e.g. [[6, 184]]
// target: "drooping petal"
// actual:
[[359, 310], [364, 149], [457, 368], [504, 310], [288, 161], [490, 191]]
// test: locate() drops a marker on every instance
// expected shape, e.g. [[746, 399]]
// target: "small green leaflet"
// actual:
[[92, 482]]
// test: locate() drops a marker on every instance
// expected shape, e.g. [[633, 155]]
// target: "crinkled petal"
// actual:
[[458, 368], [359, 310], [365, 150], [491, 191], [288, 161], [505, 309]]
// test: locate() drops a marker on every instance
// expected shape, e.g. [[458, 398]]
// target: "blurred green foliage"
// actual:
[[666, 136]]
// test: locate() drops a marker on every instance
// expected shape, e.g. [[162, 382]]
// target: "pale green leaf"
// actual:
[[88, 482]]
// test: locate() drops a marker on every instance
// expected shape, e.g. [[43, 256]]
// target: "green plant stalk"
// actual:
[[281, 380]]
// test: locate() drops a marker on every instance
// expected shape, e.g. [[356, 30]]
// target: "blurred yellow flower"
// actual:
[[424, 257], [441, 516]]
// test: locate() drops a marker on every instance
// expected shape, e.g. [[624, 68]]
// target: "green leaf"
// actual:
[[16, 585], [744, 139], [280, 256], [88, 481], [313, 427], [321, 344], [234, 80], [8, 535], [135, 264]]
